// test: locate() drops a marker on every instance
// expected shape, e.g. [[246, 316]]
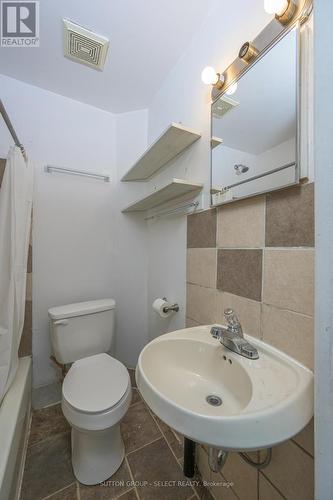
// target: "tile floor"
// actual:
[[153, 455]]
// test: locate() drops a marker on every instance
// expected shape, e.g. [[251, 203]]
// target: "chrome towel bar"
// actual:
[[52, 168]]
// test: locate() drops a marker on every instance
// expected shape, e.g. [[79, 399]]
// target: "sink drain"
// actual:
[[214, 400]]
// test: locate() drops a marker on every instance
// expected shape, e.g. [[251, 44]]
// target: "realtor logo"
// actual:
[[19, 23]]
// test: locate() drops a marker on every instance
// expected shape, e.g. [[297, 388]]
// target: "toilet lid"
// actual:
[[95, 384]]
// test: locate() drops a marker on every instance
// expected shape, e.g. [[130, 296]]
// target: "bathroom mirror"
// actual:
[[255, 126]]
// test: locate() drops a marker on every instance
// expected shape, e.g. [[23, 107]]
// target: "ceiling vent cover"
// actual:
[[223, 105], [84, 46]]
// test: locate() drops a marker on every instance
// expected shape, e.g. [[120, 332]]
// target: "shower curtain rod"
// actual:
[[11, 129]]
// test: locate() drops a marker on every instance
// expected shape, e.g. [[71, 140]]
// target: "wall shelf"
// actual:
[[215, 141], [173, 191], [173, 141]]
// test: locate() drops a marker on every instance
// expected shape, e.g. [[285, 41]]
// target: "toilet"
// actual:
[[96, 392]]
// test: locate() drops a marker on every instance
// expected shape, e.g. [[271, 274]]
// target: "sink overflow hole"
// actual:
[[214, 400]]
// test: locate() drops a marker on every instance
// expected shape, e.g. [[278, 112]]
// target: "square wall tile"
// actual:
[[201, 304], [201, 266], [201, 229], [291, 471], [240, 272], [289, 279], [242, 224], [190, 323], [291, 332], [248, 311], [290, 217]]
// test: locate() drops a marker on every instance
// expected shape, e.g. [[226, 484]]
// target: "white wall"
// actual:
[[83, 248], [184, 98], [224, 174]]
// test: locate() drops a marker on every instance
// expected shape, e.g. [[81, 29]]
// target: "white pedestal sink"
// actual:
[[264, 401]]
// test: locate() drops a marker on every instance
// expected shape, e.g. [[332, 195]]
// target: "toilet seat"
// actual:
[[96, 393], [95, 384]]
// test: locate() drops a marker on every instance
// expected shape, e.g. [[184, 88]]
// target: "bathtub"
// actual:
[[14, 423]]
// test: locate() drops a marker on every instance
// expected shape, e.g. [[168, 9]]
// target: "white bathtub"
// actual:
[[14, 423]]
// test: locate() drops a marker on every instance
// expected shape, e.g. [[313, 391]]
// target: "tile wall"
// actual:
[[257, 257], [26, 339]]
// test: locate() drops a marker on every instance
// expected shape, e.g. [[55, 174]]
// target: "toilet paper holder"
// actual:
[[172, 307]]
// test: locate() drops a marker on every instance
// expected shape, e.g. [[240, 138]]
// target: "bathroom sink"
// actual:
[[216, 397]]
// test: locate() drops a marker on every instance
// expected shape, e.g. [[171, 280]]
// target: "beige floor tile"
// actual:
[[113, 487], [202, 463], [175, 441], [305, 438], [242, 224], [129, 495], [201, 304], [201, 266], [154, 464], [138, 427], [243, 476], [46, 422], [69, 493], [291, 332], [221, 488], [267, 491], [291, 471], [52, 457], [248, 311], [289, 279]]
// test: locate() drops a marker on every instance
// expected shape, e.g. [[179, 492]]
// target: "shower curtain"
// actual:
[[15, 220]]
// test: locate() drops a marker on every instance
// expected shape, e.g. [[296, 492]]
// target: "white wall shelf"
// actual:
[[173, 141], [215, 141], [176, 189]]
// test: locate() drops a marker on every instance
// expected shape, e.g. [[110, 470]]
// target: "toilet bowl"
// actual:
[[96, 391], [96, 394]]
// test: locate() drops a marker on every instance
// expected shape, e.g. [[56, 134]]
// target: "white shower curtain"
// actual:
[[15, 219]]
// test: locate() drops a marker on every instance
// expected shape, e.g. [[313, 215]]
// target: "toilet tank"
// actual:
[[82, 329]]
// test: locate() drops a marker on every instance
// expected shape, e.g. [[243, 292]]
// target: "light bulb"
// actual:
[[209, 76], [232, 89], [275, 6]]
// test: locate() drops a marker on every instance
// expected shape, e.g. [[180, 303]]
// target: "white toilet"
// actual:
[[96, 391]]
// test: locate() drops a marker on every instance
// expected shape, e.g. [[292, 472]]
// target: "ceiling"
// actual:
[[147, 38]]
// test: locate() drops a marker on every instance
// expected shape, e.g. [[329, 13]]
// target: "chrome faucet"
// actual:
[[232, 336]]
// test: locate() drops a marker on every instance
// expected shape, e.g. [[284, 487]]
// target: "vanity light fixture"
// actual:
[[284, 10], [247, 52], [210, 77]]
